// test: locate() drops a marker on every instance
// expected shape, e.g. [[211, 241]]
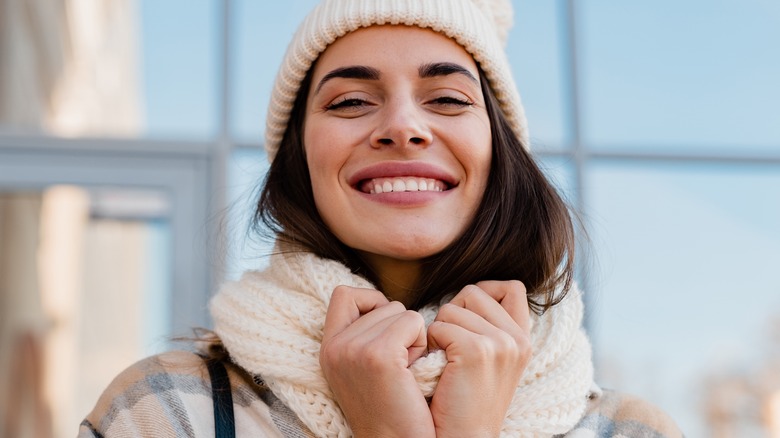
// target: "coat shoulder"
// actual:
[[161, 390], [612, 413]]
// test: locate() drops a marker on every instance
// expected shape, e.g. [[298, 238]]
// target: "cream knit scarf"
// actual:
[[271, 323]]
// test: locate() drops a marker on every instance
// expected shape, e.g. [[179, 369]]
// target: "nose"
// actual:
[[402, 125]]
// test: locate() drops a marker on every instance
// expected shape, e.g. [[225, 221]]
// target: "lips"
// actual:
[[396, 177]]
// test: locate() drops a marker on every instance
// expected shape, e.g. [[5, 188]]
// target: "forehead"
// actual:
[[390, 47]]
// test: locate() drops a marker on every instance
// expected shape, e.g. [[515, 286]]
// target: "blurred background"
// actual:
[[131, 151]]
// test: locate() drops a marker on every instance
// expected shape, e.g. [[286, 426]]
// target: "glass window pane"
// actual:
[[246, 250], [262, 32], [534, 50], [685, 293], [699, 74], [109, 68], [181, 58], [85, 289], [560, 171]]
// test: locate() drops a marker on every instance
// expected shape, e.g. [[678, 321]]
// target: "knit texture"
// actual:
[[271, 323], [480, 26]]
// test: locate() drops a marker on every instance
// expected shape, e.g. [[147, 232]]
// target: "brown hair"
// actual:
[[522, 230]]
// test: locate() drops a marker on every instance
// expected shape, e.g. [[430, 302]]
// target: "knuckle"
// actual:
[[446, 312], [506, 342], [342, 354], [503, 348], [466, 294], [512, 347], [373, 356], [347, 354], [523, 345], [446, 308], [484, 353], [471, 289], [328, 354], [517, 286], [396, 306], [412, 318], [340, 291]]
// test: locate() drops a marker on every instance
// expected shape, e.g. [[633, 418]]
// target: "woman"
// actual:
[[421, 283]]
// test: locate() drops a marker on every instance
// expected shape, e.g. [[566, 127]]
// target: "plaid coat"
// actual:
[[169, 395]]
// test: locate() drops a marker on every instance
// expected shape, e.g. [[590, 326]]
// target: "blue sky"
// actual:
[[683, 283]]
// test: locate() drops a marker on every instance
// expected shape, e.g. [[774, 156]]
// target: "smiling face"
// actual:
[[398, 142]]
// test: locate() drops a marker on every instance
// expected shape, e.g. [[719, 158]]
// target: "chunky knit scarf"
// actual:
[[271, 323]]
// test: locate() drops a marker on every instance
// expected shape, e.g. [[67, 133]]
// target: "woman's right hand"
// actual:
[[485, 332], [367, 346]]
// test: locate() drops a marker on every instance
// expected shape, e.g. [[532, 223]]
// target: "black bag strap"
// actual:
[[224, 420]]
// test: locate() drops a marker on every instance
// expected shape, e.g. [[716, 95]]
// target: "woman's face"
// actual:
[[397, 140]]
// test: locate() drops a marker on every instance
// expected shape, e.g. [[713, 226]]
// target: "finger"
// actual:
[[374, 321], [474, 322], [367, 314], [510, 295], [442, 335], [406, 329], [473, 337], [419, 346], [476, 300], [347, 304], [381, 336]]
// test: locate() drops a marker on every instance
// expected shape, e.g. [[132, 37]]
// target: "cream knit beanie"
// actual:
[[480, 26]]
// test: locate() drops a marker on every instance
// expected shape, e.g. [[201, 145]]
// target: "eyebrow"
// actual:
[[425, 71], [350, 72], [444, 69]]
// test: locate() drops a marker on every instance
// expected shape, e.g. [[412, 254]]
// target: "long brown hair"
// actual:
[[522, 230]]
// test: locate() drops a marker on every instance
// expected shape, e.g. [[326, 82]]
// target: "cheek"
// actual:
[[317, 143], [477, 154], [313, 148], [324, 143], [324, 159], [482, 153], [482, 172]]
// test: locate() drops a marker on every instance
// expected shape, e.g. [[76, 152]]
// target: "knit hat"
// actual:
[[480, 26]]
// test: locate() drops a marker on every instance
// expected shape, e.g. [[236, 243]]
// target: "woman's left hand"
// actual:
[[485, 332]]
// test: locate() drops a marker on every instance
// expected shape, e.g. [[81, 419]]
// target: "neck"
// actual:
[[397, 278]]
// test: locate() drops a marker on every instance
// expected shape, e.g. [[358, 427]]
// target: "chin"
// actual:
[[412, 249]]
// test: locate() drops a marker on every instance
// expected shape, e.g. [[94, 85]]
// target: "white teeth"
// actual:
[[407, 184]]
